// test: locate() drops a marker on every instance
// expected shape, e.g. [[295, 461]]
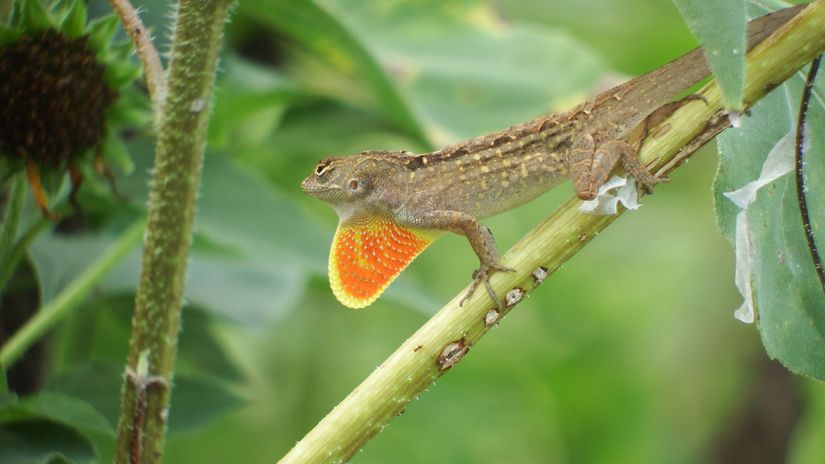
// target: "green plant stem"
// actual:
[[446, 337], [198, 32], [62, 305]]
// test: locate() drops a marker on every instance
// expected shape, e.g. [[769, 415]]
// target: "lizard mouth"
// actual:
[[312, 187]]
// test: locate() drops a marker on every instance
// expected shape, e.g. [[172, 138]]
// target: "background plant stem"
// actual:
[[421, 359], [54, 311], [197, 36]]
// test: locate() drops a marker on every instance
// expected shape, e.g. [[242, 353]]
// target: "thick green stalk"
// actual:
[[61, 306], [198, 32], [448, 335]]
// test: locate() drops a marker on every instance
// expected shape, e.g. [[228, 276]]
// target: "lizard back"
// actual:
[[490, 174]]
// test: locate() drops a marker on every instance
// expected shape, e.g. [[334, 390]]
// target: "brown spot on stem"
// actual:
[[452, 354]]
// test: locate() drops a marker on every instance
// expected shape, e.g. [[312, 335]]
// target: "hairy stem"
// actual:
[[61, 306], [198, 32], [152, 67], [447, 336]]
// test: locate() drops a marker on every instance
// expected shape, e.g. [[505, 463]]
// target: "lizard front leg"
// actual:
[[480, 238]]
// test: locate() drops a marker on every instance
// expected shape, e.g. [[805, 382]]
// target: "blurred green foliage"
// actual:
[[629, 354]]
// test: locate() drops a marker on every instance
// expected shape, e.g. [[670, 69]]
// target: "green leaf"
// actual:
[[786, 293], [250, 104], [95, 382], [197, 400], [41, 441], [57, 407], [276, 232], [331, 41], [720, 28], [115, 152], [74, 23], [34, 16], [121, 74], [200, 352], [101, 31], [443, 59], [8, 34], [465, 70], [131, 109]]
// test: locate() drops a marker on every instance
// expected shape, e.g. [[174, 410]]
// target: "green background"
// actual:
[[630, 353]]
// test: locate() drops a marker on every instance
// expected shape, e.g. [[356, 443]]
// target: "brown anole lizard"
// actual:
[[391, 205]]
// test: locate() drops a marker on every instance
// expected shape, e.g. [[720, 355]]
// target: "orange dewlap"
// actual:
[[367, 255]]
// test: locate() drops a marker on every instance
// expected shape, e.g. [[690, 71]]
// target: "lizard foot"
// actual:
[[482, 274], [647, 180]]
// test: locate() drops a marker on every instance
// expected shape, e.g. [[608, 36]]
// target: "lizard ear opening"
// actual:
[[368, 255]]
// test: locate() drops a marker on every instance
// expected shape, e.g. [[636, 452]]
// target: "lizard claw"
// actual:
[[482, 274], [647, 180]]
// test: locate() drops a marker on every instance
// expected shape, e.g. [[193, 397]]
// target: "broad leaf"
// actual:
[[196, 400], [57, 407], [39, 441], [335, 46], [720, 28], [775, 268], [442, 58]]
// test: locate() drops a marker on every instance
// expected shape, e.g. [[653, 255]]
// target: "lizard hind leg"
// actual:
[[629, 157], [590, 166]]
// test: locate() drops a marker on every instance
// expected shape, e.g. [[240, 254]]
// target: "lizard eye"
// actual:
[[322, 169], [353, 185]]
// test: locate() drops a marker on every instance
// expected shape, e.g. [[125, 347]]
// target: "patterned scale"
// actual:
[[368, 255]]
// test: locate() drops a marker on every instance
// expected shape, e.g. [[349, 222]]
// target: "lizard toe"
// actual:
[[499, 267]]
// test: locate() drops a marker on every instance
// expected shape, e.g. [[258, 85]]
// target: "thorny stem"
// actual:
[[198, 32], [449, 334], [152, 67], [800, 178]]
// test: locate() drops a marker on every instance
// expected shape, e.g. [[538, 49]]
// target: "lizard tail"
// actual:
[[657, 85]]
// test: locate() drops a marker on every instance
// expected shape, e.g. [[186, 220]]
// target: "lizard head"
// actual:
[[370, 247], [350, 182]]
